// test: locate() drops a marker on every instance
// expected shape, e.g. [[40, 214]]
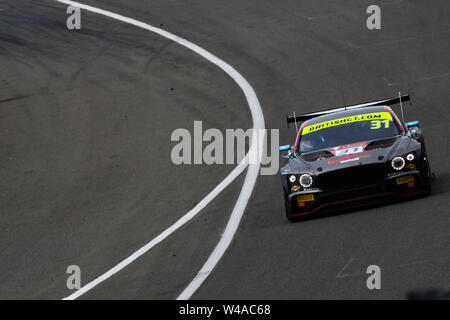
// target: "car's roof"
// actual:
[[346, 113]]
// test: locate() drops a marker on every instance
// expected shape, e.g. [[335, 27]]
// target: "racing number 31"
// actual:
[[376, 124]]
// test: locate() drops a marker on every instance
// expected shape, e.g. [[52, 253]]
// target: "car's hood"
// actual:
[[340, 157]]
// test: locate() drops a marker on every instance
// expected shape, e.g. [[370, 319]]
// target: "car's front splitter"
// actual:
[[395, 187]]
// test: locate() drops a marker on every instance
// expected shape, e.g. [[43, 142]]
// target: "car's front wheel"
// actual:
[[427, 177], [288, 207]]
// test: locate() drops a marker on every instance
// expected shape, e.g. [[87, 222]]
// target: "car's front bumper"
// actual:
[[397, 186]]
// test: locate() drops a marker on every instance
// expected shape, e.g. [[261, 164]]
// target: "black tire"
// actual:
[[427, 177], [287, 205]]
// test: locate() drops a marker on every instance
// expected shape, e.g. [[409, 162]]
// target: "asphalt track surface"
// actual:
[[85, 123]]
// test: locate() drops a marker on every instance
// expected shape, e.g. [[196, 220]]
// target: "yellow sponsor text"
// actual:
[[406, 179], [341, 121], [305, 198]]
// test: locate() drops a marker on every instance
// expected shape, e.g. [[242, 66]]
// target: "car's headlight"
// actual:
[[398, 163], [410, 157], [306, 180], [292, 178]]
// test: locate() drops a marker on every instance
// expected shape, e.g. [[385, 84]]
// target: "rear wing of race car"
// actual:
[[386, 102]]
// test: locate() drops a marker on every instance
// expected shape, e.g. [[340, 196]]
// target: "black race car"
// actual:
[[351, 155]]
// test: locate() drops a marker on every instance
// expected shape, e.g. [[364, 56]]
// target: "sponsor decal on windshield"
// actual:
[[375, 116]]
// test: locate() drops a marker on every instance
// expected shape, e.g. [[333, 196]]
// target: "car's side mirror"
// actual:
[[412, 124], [287, 148]]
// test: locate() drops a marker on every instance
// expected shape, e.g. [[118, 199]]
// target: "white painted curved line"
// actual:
[[228, 235], [255, 152], [166, 233]]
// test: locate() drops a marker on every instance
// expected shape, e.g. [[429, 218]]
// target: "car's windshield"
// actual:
[[341, 131]]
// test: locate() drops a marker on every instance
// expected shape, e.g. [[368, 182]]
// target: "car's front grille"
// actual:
[[352, 177]]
